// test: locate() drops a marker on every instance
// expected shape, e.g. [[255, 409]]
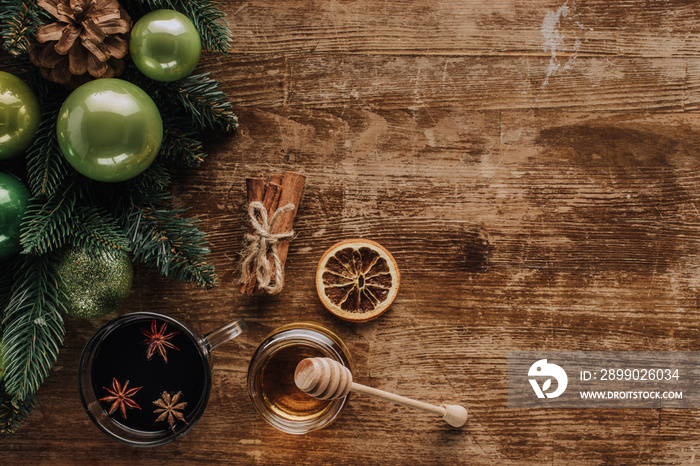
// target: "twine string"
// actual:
[[268, 274]]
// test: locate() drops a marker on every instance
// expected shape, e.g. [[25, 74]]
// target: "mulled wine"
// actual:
[[145, 378], [157, 359]]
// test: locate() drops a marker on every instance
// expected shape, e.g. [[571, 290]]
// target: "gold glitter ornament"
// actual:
[[94, 284]]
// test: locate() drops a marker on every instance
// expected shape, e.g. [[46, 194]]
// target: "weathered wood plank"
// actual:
[[446, 27], [476, 83]]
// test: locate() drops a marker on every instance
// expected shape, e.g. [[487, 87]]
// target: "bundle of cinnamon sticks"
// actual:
[[279, 191]]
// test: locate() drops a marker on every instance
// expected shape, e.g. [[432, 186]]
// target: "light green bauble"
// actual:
[[20, 115], [165, 45], [109, 130], [94, 284]]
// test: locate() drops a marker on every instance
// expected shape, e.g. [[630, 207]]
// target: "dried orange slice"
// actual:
[[357, 280]]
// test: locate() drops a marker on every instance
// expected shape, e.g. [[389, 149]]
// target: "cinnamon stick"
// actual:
[[270, 202], [255, 188], [279, 191], [292, 190], [276, 178]]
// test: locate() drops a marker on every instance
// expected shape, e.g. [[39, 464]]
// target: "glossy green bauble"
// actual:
[[94, 284], [165, 45], [20, 115], [14, 199], [109, 130]]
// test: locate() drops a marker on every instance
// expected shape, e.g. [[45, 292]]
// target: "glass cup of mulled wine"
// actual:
[[144, 378]]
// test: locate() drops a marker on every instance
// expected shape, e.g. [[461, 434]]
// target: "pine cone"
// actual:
[[89, 36]]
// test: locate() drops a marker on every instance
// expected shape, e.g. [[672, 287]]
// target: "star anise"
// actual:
[[157, 339], [169, 408], [120, 397]]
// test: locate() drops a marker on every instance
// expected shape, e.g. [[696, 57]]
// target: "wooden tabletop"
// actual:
[[532, 166]]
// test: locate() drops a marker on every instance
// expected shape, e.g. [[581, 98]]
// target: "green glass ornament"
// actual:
[[14, 199], [20, 115], [165, 45], [94, 284], [109, 130]]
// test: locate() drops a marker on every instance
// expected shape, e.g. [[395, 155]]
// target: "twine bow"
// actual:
[[257, 245]]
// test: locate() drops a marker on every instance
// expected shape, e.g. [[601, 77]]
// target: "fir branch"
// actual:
[[165, 240], [150, 187], [47, 224], [19, 20], [97, 230], [210, 22], [33, 327], [205, 14], [180, 147], [195, 101], [203, 99], [46, 165], [13, 411]]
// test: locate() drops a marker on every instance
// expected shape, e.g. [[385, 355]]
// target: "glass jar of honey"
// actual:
[[271, 377]]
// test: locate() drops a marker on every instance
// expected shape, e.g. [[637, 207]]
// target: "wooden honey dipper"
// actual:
[[326, 379]]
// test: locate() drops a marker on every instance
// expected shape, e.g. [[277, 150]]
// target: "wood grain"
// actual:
[[534, 198], [473, 82]]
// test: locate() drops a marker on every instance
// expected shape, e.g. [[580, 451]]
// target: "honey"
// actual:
[[271, 377], [279, 391]]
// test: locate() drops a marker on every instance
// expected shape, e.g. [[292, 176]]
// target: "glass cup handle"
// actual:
[[223, 334]]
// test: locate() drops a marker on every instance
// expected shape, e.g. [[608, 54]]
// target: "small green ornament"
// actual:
[[165, 45], [94, 284], [109, 130], [20, 115], [14, 199]]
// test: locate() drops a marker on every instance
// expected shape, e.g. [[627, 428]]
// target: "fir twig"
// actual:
[[46, 165], [199, 97], [210, 22], [13, 411], [96, 230], [150, 187], [46, 225], [169, 242], [33, 327], [19, 21], [180, 147], [203, 99]]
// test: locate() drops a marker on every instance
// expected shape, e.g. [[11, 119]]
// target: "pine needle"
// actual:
[[13, 411], [19, 21], [46, 165], [33, 326], [169, 242]]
